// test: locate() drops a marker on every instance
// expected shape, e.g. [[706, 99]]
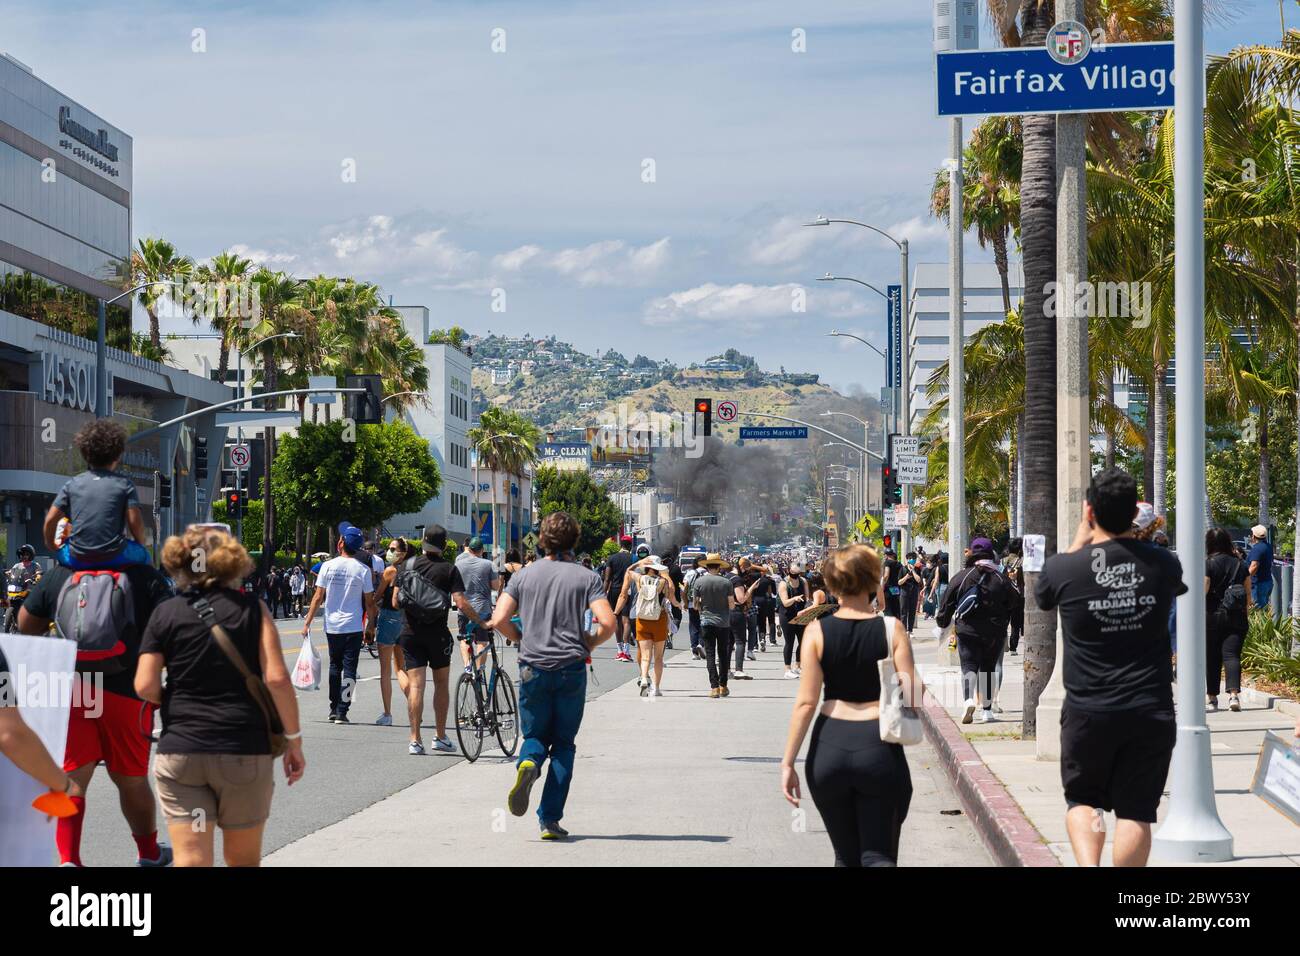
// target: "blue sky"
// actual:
[[523, 170]]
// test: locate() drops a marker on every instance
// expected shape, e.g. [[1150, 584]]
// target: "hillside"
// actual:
[[561, 388]]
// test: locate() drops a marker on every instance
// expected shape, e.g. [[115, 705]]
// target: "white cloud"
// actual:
[[750, 305], [784, 243], [610, 262], [918, 230], [264, 257], [516, 259], [382, 246]]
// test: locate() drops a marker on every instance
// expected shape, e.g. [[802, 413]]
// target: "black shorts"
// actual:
[[1116, 760], [426, 650]]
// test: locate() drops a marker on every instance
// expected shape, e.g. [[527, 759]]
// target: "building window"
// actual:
[[459, 505]]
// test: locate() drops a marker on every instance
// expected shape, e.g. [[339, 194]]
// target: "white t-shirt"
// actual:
[[345, 580]]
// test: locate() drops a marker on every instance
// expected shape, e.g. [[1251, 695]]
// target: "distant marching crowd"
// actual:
[[198, 647]]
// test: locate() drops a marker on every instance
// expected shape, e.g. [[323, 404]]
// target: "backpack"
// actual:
[[419, 597], [648, 606], [95, 609], [974, 603], [688, 587], [1232, 598]]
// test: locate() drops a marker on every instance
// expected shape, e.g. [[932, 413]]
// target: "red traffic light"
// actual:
[[701, 406]]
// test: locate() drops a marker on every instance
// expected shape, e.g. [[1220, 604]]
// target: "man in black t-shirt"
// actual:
[[111, 726], [615, 574], [428, 643], [1117, 728], [892, 584]]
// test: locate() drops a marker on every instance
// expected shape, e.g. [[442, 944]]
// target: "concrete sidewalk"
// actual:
[[1261, 835], [681, 780]]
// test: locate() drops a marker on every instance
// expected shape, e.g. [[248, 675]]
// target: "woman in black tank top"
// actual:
[[860, 785]]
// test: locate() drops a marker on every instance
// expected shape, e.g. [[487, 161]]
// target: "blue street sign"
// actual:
[[895, 295], [762, 434], [1102, 78]]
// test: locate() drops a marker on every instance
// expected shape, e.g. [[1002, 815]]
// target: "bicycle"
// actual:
[[486, 703]]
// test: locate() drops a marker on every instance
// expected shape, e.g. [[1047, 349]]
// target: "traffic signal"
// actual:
[[164, 491], [704, 406], [364, 408], [888, 486], [889, 541], [234, 503], [200, 459]]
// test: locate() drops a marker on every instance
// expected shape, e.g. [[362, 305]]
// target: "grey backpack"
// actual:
[[96, 609]]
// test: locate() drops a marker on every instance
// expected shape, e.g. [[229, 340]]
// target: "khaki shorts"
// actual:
[[232, 789]]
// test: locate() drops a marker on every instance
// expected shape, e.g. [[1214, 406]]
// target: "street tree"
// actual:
[[582, 497]]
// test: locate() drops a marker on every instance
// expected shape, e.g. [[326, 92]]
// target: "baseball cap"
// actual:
[[981, 544], [435, 537], [352, 537], [1259, 531], [474, 544]]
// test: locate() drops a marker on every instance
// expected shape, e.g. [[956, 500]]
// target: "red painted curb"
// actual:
[[1007, 833]]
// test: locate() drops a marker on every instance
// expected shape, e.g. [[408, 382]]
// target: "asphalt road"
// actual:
[[353, 767], [349, 767]]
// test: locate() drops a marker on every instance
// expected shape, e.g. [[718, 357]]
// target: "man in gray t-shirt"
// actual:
[[481, 579], [715, 597], [553, 597]]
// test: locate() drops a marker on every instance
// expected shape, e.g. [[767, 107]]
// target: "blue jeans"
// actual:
[[345, 649], [132, 553], [1261, 591], [694, 616], [550, 713]]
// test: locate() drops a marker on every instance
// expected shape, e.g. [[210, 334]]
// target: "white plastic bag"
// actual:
[[306, 672]]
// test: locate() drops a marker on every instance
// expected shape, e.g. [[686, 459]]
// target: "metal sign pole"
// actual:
[[1192, 831]]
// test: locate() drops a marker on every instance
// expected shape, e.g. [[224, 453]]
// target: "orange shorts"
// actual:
[[656, 630], [117, 737]]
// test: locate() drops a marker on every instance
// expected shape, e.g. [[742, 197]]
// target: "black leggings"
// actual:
[[908, 608], [1223, 640], [862, 788], [793, 634]]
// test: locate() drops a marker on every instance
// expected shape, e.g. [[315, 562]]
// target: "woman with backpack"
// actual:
[[978, 604], [228, 706], [648, 587], [1227, 607]]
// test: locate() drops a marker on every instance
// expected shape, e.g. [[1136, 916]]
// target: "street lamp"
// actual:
[[903, 420]]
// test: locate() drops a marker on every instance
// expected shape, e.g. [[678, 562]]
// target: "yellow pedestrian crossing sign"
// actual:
[[867, 526]]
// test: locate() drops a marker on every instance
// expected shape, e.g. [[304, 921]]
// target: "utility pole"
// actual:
[[1192, 831], [956, 27]]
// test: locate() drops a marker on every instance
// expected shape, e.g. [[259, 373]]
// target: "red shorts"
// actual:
[[116, 737]]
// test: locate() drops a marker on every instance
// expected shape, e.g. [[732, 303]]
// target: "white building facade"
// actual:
[[928, 320], [444, 421]]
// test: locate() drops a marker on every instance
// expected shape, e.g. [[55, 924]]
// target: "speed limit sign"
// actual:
[[727, 411], [239, 456]]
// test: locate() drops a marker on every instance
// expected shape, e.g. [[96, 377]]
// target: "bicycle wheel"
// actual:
[[469, 718], [506, 713]]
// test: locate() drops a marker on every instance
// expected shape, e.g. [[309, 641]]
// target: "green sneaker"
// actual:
[[524, 779], [553, 831]]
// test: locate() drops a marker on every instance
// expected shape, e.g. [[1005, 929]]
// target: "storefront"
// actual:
[[65, 245]]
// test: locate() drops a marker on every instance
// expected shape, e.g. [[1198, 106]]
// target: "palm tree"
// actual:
[[991, 191], [156, 262], [1038, 244], [228, 271], [506, 444]]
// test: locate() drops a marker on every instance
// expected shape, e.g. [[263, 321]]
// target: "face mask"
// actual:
[[391, 556]]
